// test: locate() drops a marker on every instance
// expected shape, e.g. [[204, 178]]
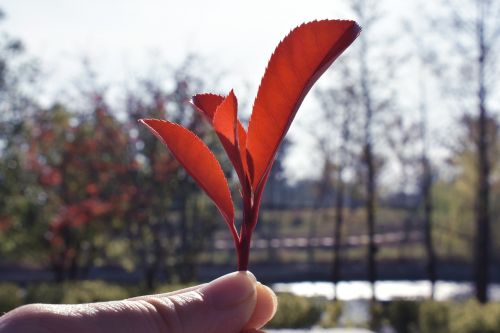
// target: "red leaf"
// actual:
[[297, 63], [242, 141], [199, 162], [225, 119], [229, 130], [207, 104]]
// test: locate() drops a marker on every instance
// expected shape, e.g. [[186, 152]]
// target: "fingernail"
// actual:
[[230, 290]]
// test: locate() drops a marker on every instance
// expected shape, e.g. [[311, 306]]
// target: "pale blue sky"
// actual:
[[132, 37], [121, 37]]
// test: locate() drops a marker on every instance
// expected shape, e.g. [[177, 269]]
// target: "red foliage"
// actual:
[[84, 172], [296, 64], [81, 213], [5, 223], [49, 177]]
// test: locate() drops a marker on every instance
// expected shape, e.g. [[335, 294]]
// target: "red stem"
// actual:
[[245, 230], [250, 216], [244, 250]]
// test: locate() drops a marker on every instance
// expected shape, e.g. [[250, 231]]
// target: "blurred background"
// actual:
[[381, 211]]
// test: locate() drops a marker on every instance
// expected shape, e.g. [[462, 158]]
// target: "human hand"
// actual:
[[235, 302]]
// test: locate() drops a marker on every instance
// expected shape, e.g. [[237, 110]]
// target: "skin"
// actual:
[[233, 303]]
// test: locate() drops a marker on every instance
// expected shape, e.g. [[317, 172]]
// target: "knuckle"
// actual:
[[164, 314]]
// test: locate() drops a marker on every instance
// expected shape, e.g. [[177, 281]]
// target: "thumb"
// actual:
[[225, 305]]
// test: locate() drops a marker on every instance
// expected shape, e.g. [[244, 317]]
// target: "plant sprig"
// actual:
[[296, 64]]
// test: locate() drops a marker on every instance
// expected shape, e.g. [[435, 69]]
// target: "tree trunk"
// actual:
[[482, 215], [370, 212], [483, 187], [311, 251], [57, 267], [366, 94], [152, 270], [89, 262], [74, 268], [339, 221], [426, 182], [184, 246], [429, 245]]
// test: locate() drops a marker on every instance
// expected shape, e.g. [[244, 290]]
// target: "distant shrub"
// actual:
[[10, 297], [331, 315], [296, 312], [444, 317], [377, 316], [92, 291], [166, 288], [44, 293], [75, 292], [403, 315], [433, 317], [472, 317]]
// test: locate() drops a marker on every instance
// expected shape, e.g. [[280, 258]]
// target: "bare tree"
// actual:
[[321, 190], [426, 172], [339, 114], [374, 95], [474, 31], [402, 136], [274, 199]]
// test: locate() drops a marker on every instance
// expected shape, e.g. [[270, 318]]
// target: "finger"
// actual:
[[223, 306], [265, 307], [170, 293]]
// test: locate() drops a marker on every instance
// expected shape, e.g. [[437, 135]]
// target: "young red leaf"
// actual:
[[225, 119], [229, 130], [199, 162], [242, 142], [297, 63], [207, 104]]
